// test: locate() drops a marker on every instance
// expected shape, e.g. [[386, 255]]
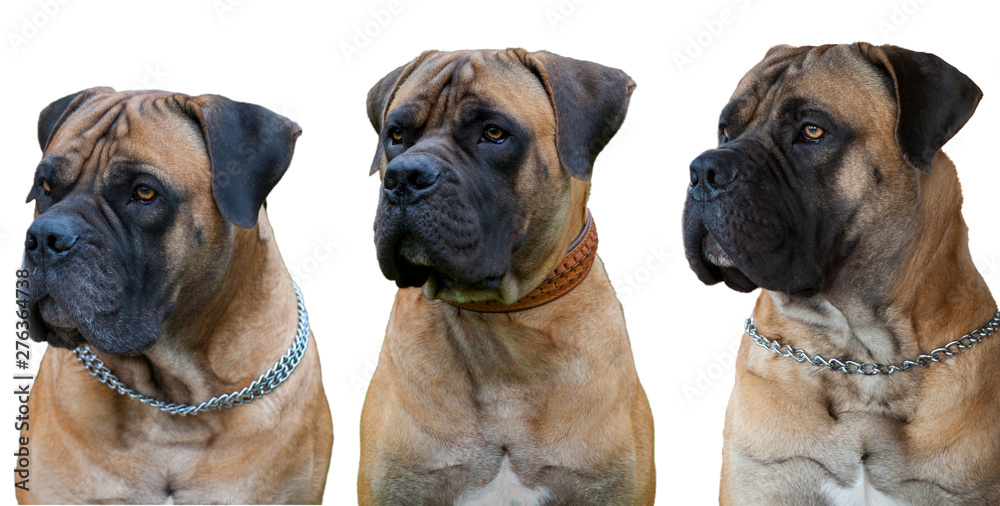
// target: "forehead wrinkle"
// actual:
[[750, 98], [462, 75], [860, 95], [758, 87], [117, 129], [446, 81], [783, 77], [518, 90], [82, 151], [169, 141], [426, 92]]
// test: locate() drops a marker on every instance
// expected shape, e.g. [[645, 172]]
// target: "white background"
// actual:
[[288, 56]]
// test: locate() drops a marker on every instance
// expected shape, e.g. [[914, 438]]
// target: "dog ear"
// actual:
[[933, 100], [781, 49], [590, 102], [379, 98], [56, 113], [249, 148]]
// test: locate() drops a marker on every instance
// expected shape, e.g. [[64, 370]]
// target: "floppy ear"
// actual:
[[781, 49], [379, 98], [53, 116], [590, 103], [249, 148], [933, 100]]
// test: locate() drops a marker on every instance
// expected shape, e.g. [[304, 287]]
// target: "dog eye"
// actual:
[[143, 194], [725, 133], [494, 134], [44, 183], [397, 136], [813, 133]]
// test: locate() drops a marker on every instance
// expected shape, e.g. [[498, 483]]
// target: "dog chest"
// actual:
[[505, 488], [859, 492]]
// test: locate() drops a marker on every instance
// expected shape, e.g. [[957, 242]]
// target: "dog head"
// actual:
[[135, 198], [820, 154], [485, 158]]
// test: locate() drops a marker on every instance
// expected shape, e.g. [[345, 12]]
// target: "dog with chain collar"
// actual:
[[151, 264], [829, 190]]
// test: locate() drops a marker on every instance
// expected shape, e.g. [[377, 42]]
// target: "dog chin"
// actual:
[[447, 288], [713, 253], [722, 266], [52, 325]]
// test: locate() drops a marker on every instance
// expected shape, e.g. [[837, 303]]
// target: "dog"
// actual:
[[151, 264], [829, 191], [506, 374]]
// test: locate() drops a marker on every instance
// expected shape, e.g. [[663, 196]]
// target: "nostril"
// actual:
[[390, 181], [30, 243], [60, 243], [723, 177], [422, 179], [694, 177], [710, 177]]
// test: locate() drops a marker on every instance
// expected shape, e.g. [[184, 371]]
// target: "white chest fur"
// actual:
[[860, 493], [505, 489]]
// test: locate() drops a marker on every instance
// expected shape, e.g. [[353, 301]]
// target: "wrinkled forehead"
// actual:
[[837, 79], [445, 83], [148, 129]]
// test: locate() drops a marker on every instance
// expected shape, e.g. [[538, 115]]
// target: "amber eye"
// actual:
[[144, 194], [725, 133], [397, 135], [813, 132], [495, 134], [45, 186]]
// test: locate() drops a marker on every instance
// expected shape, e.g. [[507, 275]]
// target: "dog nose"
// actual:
[[711, 173], [51, 235], [408, 178]]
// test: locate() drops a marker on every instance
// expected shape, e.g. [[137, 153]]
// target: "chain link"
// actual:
[[268, 381], [869, 369]]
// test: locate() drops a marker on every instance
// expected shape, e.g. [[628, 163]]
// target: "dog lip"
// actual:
[[713, 253], [487, 283], [415, 266], [53, 315], [413, 252]]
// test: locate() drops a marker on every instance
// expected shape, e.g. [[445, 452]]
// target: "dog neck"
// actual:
[[909, 301], [205, 348], [473, 351]]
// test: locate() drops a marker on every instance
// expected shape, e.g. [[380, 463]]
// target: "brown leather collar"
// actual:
[[575, 266]]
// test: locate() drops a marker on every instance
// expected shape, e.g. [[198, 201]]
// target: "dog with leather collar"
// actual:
[[506, 373]]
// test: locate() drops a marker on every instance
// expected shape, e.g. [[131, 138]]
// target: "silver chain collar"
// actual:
[[268, 381], [851, 367]]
